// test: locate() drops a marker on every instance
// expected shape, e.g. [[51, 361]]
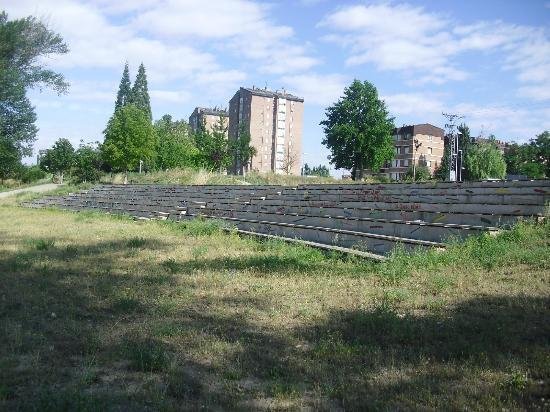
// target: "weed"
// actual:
[[43, 244], [199, 251], [145, 354], [172, 265], [136, 242]]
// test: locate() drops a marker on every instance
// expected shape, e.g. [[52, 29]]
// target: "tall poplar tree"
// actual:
[[124, 90], [140, 94]]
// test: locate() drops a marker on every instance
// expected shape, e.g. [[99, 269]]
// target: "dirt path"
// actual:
[[39, 188]]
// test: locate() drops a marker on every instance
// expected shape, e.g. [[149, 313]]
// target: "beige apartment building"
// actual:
[[208, 117], [274, 121], [420, 144]]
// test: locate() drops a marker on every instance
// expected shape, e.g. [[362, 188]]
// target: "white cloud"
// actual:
[[399, 37], [425, 106], [317, 89], [517, 122], [240, 26], [423, 45]]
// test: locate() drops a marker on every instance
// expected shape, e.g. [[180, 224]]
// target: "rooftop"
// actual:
[[211, 111], [268, 93], [423, 128]]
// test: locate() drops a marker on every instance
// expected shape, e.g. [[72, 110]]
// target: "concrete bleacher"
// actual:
[[364, 219]]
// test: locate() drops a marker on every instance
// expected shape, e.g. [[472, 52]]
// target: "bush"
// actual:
[[87, 164], [422, 174], [29, 174]]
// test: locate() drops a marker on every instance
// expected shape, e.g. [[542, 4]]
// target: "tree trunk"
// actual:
[[126, 177], [353, 173], [61, 178]]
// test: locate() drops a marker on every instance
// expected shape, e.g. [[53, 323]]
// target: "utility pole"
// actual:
[[454, 171]]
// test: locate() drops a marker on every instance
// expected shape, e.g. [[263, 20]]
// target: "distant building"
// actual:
[[208, 117], [274, 121], [501, 145], [420, 144]]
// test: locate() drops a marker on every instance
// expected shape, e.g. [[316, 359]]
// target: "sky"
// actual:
[[488, 61]]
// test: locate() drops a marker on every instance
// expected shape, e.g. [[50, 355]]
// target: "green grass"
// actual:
[[103, 313]]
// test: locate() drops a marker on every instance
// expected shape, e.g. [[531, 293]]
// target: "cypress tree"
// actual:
[[124, 90], [140, 94]]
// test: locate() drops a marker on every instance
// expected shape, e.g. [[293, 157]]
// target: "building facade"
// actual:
[[274, 121], [420, 144], [208, 117]]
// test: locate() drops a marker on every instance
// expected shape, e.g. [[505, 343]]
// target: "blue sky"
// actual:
[[488, 61]]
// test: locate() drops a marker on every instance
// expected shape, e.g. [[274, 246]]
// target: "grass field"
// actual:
[[103, 313]]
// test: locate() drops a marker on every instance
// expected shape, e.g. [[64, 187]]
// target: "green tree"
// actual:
[[241, 151], [24, 45], [139, 95], [358, 130], [175, 147], [320, 170], [87, 164], [442, 172], [465, 143], [422, 173], [124, 89], [531, 159], [59, 159], [541, 151], [129, 139], [484, 161], [213, 146]]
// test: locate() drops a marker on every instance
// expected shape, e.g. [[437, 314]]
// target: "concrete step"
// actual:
[[473, 219], [374, 243], [435, 232]]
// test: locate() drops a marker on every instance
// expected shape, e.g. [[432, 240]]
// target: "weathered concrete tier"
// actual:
[[435, 232], [380, 244], [372, 218]]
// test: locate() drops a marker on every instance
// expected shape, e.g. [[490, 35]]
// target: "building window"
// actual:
[[429, 150]]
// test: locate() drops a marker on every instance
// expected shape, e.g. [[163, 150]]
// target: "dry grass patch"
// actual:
[[100, 312]]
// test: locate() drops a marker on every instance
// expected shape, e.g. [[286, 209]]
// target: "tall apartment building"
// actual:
[[209, 116], [274, 121], [420, 144]]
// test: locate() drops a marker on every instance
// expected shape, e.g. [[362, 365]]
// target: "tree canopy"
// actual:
[[241, 150], [358, 130], [531, 159], [213, 146], [23, 45], [124, 89], [139, 96], [175, 146], [59, 159], [129, 138], [485, 161]]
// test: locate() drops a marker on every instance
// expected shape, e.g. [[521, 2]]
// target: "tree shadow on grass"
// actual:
[[398, 361], [483, 353]]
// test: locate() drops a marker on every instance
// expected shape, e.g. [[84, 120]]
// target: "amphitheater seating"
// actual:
[[365, 219]]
